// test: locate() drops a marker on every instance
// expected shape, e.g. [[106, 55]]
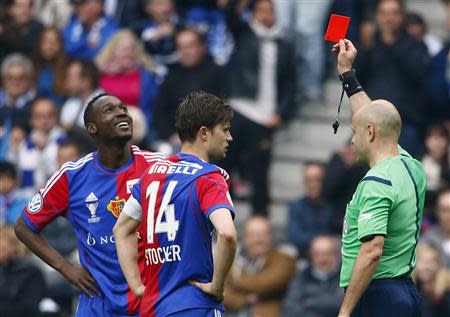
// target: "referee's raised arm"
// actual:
[[346, 55]]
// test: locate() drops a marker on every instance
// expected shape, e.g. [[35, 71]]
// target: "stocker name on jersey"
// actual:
[[161, 255]]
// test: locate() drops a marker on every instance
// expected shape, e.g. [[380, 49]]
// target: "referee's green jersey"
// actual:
[[388, 201]]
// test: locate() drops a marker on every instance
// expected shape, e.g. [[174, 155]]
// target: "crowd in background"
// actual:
[[265, 58]]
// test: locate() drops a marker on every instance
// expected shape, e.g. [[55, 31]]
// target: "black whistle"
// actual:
[[335, 126]]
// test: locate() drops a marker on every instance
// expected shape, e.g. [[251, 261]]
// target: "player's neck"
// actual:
[[382, 152], [114, 155], [194, 149]]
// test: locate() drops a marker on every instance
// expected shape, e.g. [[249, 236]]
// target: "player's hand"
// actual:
[[346, 53], [210, 289], [139, 291], [81, 278]]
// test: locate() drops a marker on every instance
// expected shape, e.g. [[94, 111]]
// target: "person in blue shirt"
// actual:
[[88, 30], [310, 215], [11, 204]]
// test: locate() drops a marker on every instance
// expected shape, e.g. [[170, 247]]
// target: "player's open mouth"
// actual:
[[122, 124]]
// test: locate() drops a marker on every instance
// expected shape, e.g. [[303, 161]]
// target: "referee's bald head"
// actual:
[[384, 116]]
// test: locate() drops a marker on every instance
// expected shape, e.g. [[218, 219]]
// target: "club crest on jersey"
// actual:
[[92, 204], [35, 204], [115, 206]]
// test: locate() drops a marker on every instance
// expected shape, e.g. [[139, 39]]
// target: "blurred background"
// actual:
[[291, 176]]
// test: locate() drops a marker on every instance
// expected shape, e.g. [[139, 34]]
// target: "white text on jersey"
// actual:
[[161, 255]]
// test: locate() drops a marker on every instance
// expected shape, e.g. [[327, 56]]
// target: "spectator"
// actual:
[[195, 71], [128, 73], [158, 30], [141, 137], [23, 286], [18, 30], [433, 281], [315, 291], [50, 63], [36, 157], [11, 205], [392, 65], [436, 161], [437, 88], [306, 21], [311, 215], [18, 91], [418, 29], [342, 175], [88, 30], [260, 273], [69, 150], [52, 13], [124, 13], [261, 85], [81, 84], [211, 23], [439, 234]]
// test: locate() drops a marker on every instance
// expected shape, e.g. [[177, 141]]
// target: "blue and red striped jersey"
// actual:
[[91, 197], [177, 196]]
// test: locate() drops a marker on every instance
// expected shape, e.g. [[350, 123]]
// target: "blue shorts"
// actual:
[[198, 312], [396, 297], [96, 307]]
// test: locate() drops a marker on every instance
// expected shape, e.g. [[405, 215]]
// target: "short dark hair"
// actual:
[[8, 169], [413, 18], [199, 109], [87, 116], [89, 70]]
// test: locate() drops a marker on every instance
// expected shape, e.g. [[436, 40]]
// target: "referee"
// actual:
[[382, 221]]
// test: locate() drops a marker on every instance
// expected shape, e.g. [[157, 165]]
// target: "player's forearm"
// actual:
[[126, 245], [359, 100], [223, 259], [365, 265], [39, 245]]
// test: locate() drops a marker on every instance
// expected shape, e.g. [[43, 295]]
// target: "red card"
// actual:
[[337, 28]]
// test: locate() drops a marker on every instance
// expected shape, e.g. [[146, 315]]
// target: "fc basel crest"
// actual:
[[116, 206]]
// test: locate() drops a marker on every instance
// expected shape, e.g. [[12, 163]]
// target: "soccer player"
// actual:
[[382, 221], [176, 201], [91, 193]]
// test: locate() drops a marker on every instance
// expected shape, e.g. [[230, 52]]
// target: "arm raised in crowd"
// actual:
[[232, 10]]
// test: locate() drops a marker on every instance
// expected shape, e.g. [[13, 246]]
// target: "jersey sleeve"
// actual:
[[375, 204], [49, 203], [136, 190], [213, 194], [133, 209]]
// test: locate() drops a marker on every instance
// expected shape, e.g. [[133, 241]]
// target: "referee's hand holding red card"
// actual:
[[346, 53]]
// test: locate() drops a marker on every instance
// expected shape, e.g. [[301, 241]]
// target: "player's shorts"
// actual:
[[396, 297], [95, 307], [198, 312]]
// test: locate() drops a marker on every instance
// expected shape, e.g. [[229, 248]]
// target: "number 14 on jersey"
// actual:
[[170, 225]]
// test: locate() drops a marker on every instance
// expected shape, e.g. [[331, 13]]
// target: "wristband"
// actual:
[[350, 83], [351, 86]]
